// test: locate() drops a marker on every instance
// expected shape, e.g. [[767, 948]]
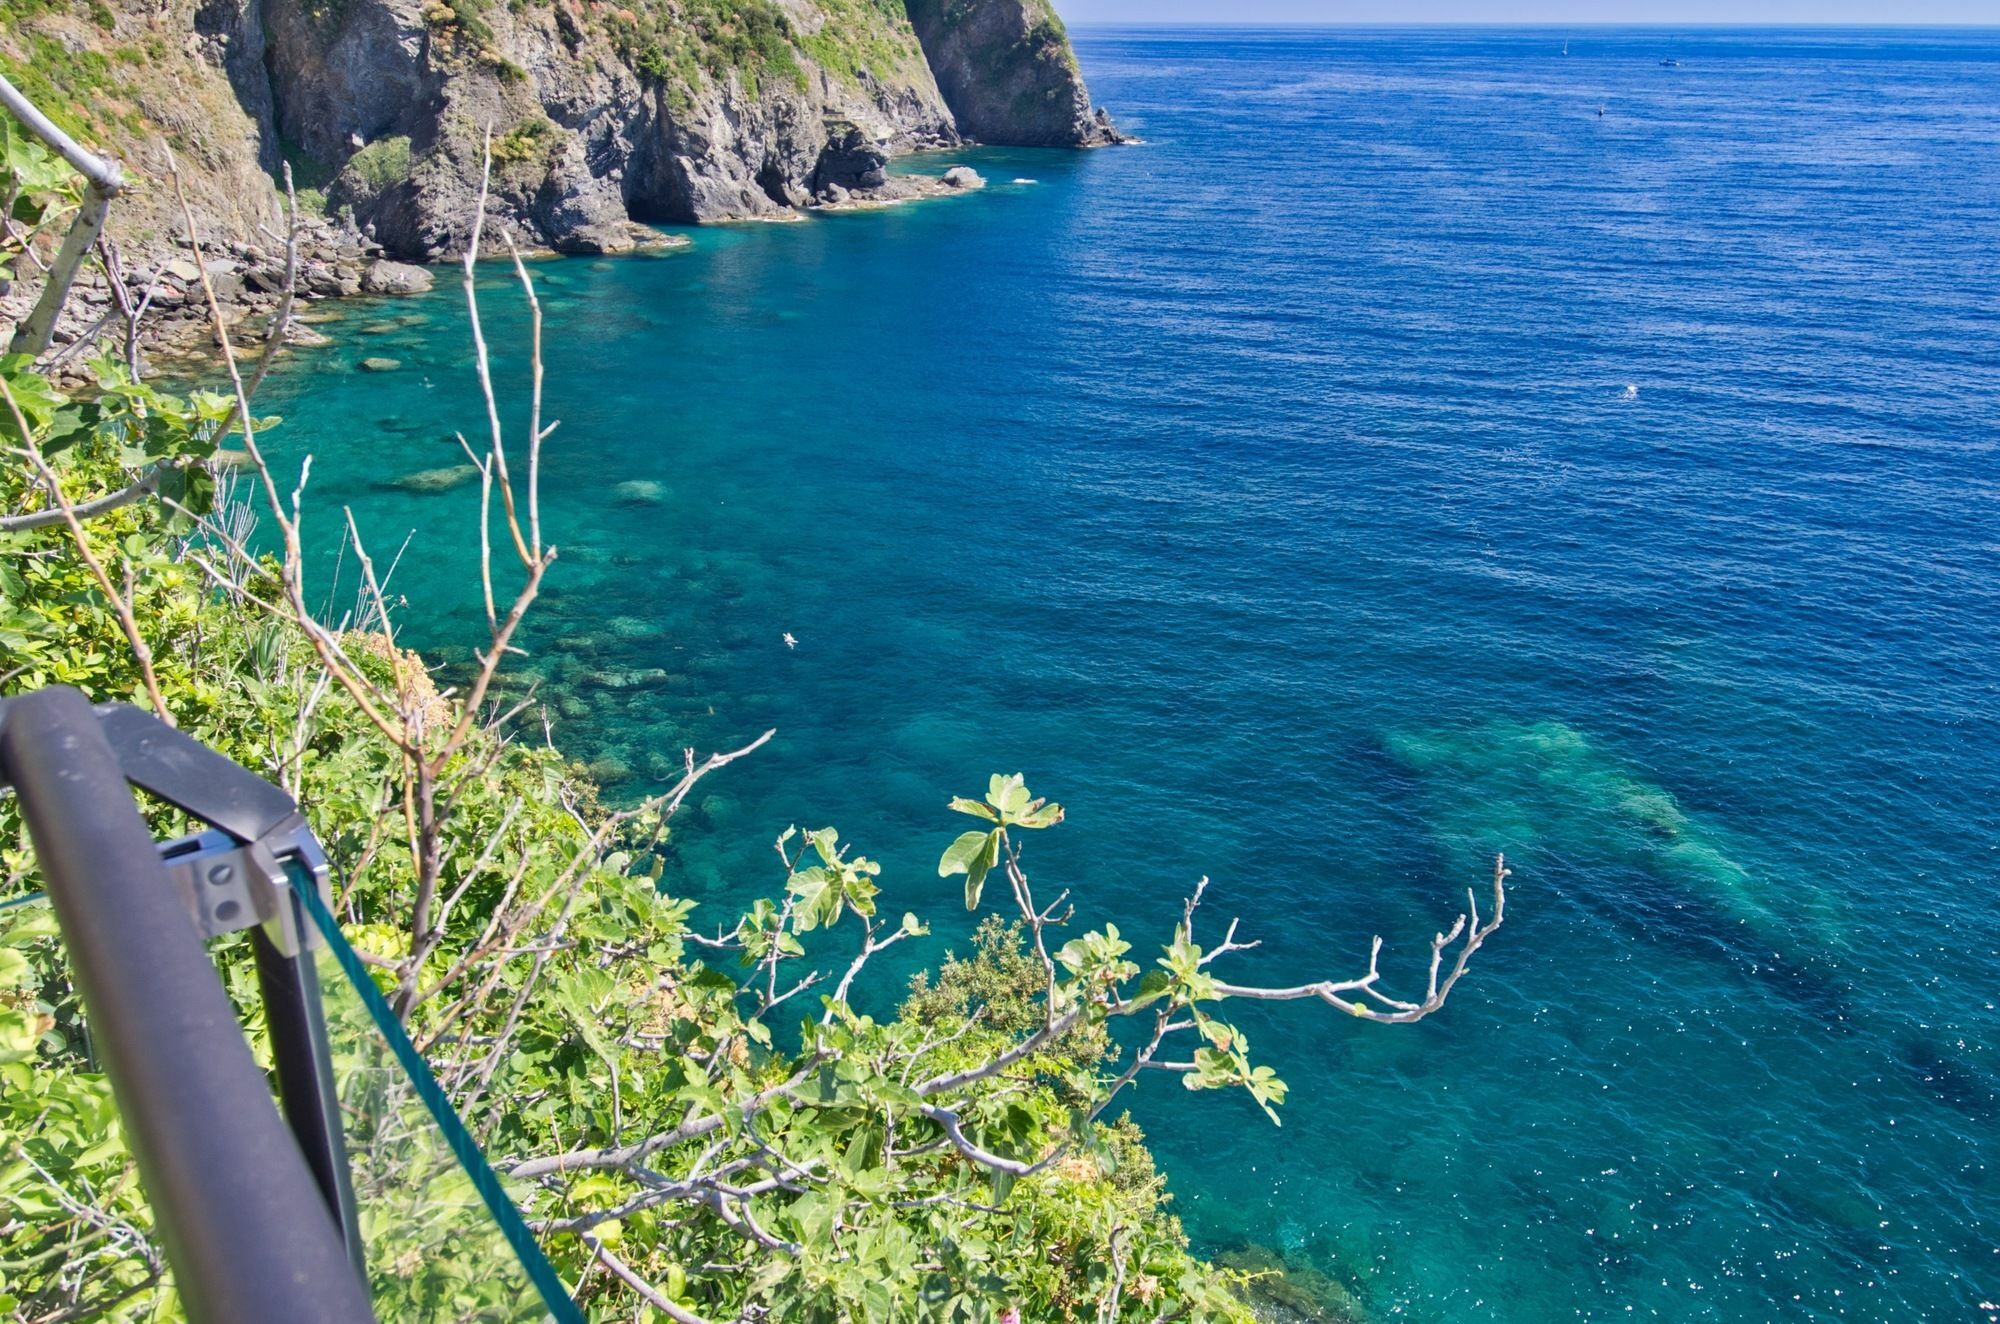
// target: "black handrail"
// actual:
[[246, 1228]]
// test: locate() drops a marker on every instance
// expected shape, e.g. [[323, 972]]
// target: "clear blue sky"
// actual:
[[1578, 12]]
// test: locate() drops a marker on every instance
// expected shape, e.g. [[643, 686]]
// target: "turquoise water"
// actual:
[[1391, 462]]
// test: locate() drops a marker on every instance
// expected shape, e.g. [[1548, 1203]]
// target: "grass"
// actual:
[[310, 176], [79, 90], [752, 38], [863, 34], [382, 164]]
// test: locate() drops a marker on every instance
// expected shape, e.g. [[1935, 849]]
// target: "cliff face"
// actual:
[[1007, 72], [600, 115]]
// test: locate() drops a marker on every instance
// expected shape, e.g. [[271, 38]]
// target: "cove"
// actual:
[[1273, 496]]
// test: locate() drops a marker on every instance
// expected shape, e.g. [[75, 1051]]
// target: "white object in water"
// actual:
[[1025, 181], [1631, 392], [789, 641]]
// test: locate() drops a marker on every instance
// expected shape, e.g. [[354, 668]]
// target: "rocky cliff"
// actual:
[[602, 116], [1007, 72]]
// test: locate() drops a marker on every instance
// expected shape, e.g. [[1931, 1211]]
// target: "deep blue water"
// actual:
[[1392, 461]]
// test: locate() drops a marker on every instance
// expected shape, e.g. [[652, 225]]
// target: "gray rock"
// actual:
[[963, 177], [385, 277], [327, 281], [430, 481], [375, 363], [640, 492], [588, 147], [1007, 72], [850, 160]]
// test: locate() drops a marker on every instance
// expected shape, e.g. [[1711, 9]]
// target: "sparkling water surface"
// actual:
[[1426, 444]]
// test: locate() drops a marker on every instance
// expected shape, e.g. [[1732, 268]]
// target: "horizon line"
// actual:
[[1711, 25]]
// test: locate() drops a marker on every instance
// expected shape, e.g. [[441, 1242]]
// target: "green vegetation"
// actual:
[[751, 38], [44, 191], [382, 164], [311, 177], [82, 89], [532, 140], [871, 35], [628, 976], [464, 16]]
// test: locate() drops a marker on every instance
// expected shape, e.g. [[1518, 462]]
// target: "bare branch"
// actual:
[[1390, 1010], [83, 510]]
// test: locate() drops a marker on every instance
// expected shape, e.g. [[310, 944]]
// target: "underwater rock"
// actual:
[[608, 770], [1545, 786], [1286, 1293], [376, 363], [435, 480], [634, 627], [640, 492]]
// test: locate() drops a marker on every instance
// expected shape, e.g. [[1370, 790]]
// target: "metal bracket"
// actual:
[[228, 886], [234, 875]]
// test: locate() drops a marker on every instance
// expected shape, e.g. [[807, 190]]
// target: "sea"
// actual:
[[1582, 444]]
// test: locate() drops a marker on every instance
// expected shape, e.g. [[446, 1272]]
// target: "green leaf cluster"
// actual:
[[44, 188], [1007, 805]]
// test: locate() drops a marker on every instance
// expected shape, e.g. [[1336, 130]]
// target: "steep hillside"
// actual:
[[601, 114], [1007, 72]]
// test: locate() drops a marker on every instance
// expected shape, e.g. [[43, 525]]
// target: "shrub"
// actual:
[[382, 164]]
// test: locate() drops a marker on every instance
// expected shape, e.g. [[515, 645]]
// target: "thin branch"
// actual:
[[1470, 927], [652, 1295], [148, 484], [142, 652]]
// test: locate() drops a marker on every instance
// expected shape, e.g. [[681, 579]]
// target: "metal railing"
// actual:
[[257, 1210]]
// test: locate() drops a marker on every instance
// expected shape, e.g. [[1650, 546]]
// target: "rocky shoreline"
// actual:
[[336, 262], [162, 284], [577, 126]]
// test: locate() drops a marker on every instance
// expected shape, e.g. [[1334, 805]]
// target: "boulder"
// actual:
[[429, 481], [385, 277], [326, 281], [640, 492], [378, 364], [850, 160], [963, 177]]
